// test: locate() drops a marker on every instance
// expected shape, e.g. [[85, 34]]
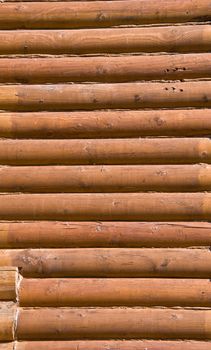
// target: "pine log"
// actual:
[[41, 234], [104, 69], [109, 323], [7, 321], [114, 178], [105, 151], [186, 38], [102, 124], [8, 280], [106, 206], [63, 97], [114, 262], [111, 345], [101, 13], [105, 292]]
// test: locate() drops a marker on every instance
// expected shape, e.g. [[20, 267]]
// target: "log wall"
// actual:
[[105, 175]]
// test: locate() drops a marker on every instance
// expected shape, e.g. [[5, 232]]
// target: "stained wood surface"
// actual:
[[8, 281], [100, 13], [174, 39], [104, 69], [104, 96], [112, 345], [114, 292], [106, 124], [114, 262], [113, 323], [105, 151], [69, 234], [7, 318]]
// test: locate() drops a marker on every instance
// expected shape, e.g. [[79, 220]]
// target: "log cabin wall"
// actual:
[[105, 175]]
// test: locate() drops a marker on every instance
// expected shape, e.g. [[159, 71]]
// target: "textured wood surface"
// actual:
[[107, 124], [100, 13], [114, 292], [40, 234], [186, 38], [8, 281], [104, 69], [114, 262], [113, 323]]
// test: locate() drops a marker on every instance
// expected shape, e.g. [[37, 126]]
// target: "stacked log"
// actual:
[[105, 175]]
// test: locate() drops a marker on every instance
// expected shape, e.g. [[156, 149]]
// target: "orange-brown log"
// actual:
[[111, 345], [113, 262], [106, 206], [98, 96], [10, 346], [8, 280], [104, 69], [105, 151], [111, 124], [114, 178], [7, 321], [108, 323], [41, 234], [187, 38], [103, 292], [101, 13]]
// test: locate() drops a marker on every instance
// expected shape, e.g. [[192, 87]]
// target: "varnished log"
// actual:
[[165, 178], [8, 281], [99, 124], [41, 234], [104, 69], [7, 321], [111, 345], [103, 292], [116, 40], [114, 262], [105, 151], [102, 96], [106, 206], [100, 13], [111, 323]]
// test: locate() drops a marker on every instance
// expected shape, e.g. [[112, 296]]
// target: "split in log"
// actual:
[[7, 321]]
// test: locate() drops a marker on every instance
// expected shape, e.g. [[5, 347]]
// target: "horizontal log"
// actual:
[[100, 13], [99, 124], [111, 345], [104, 69], [7, 321], [41, 234], [106, 206], [113, 262], [8, 280], [114, 292], [165, 178], [111, 323], [98, 96], [116, 40], [106, 151], [10, 346]]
